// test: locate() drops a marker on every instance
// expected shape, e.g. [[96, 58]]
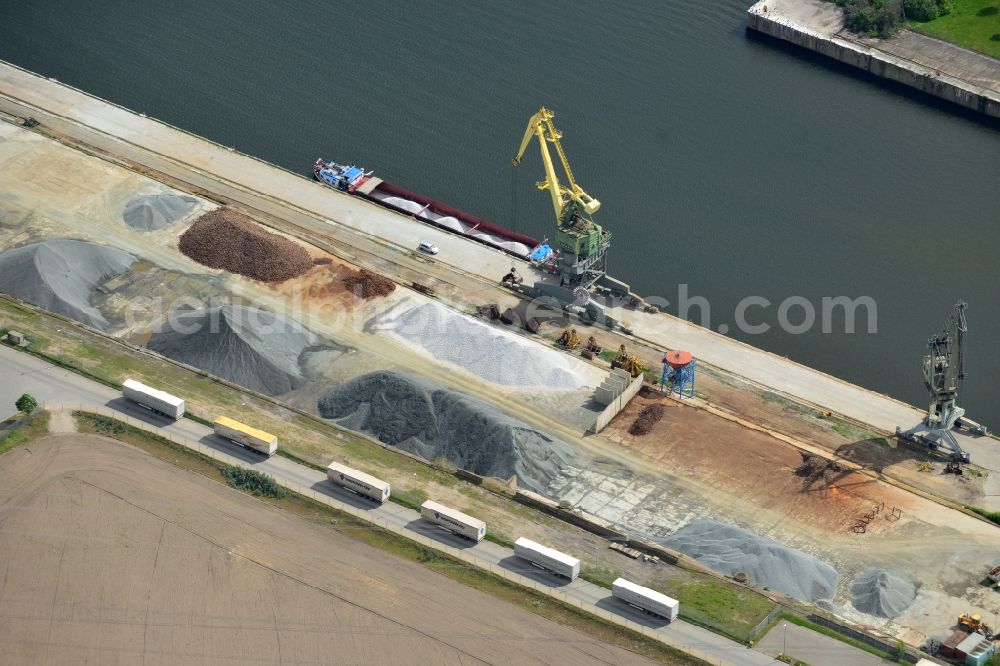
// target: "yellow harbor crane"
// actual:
[[581, 243]]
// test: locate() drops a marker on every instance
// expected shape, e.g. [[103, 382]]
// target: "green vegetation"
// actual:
[[26, 403], [876, 18], [926, 10], [974, 24], [714, 604], [253, 482], [411, 498], [785, 659], [600, 576], [105, 425], [993, 516], [31, 428]]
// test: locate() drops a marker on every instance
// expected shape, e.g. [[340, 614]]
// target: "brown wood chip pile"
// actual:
[[366, 284], [225, 239], [646, 420]]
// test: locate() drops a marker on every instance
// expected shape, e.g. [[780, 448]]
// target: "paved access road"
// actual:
[[50, 384]]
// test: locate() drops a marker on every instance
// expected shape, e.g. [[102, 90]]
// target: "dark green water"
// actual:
[[731, 164]]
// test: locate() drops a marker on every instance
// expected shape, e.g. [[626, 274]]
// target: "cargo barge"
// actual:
[[353, 179]]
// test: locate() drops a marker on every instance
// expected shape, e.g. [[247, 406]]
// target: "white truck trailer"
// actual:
[[244, 435], [361, 483], [645, 599], [153, 399], [456, 521], [547, 558]]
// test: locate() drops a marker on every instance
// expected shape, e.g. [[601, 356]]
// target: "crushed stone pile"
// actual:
[[61, 275], [366, 284], [433, 421], [492, 353], [882, 593], [248, 346], [767, 563], [149, 212], [225, 239], [648, 417]]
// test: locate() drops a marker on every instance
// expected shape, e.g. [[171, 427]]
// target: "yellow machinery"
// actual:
[[974, 623], [569, 339], [628, 362], [581, 243]]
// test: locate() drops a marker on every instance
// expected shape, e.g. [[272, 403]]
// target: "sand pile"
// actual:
[[767, 563], [225, 239], [492, 353], [366, 284], [648, 417], [149, 212], [254, 348], [60, 275], [883, 593], [432, 421]]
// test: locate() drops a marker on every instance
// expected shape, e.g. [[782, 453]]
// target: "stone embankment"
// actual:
[[938, 68]]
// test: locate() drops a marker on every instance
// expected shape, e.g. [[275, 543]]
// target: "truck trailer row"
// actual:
[[366, 485]]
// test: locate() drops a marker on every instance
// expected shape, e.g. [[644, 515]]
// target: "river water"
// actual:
[[729, 164]]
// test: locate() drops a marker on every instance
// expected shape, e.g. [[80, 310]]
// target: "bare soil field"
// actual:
[[112, 556]]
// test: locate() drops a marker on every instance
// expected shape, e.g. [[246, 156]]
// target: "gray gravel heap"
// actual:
[[729, 549], [882, 593], [433, 421], [251, 347], [60, 276], [149, 212], [494, 354]]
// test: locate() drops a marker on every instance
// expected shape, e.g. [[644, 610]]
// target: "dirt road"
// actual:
[[112, 556]]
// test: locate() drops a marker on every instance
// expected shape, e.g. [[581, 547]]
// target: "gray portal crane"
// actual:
[[944, 368]]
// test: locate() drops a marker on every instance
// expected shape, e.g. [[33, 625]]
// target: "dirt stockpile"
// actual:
[[648, 417], [492, 353], [60, 276], [254, 348], [432, 421], [366, 284], [225, 239], [767, 563], [882, 593], [149, 212]]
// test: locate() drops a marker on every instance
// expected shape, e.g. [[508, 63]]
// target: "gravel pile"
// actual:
[[492, 353], [149, 212], [648, 417], [432, 421], [61, 275], [366, 284], [225, 239], [254, 348], [882, 593], [767, 563]]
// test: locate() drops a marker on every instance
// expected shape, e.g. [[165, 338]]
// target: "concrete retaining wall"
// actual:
[[879, 63], [618, 404]]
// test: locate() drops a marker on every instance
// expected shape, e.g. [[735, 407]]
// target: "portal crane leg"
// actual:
[[933, 438]]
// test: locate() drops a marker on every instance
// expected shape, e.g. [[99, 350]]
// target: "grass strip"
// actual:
[[31, 428]]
